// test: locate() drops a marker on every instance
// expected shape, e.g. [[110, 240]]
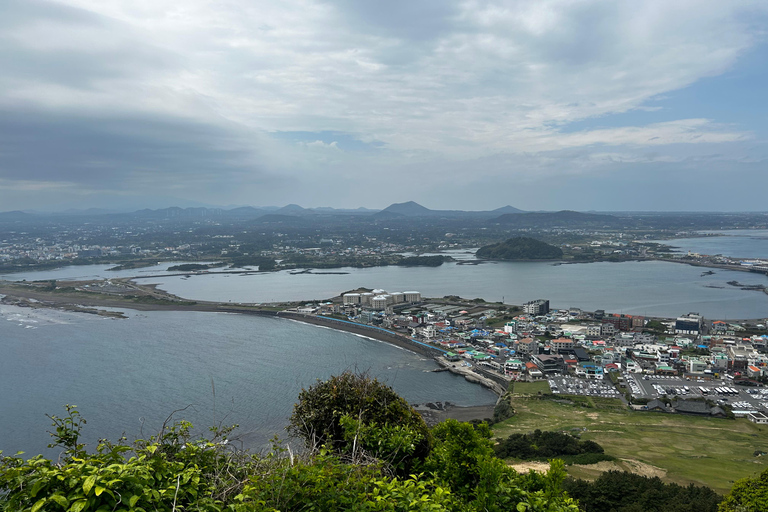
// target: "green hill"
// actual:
[[520, 248]]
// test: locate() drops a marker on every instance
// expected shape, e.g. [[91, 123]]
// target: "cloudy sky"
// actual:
[[546, 104]]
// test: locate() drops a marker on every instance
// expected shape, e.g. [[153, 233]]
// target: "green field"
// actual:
[[688, 449], [530, 388]]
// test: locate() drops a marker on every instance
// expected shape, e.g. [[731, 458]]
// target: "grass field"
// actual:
[[530, 388], [688, 449]]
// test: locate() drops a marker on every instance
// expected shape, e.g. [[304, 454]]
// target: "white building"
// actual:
[[412, 296], [351, 298]]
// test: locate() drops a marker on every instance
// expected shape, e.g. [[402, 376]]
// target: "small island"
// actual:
[[423, 261], [520, 248]]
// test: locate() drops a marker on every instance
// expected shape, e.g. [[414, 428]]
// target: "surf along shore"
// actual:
[[89, 297]]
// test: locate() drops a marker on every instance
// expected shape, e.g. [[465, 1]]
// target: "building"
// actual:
[[738, 357], [351, 298], [561, 344], [527, 346], [381, 301], [589, 371], [536, 307], [758, 417], [696, 366], [549, 363], [624, 323], [412, 296], [689, 324], [593, 331], [533, 370]]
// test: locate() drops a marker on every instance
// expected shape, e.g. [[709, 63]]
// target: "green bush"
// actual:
[[620, 491], [544, 445], [353, 412]]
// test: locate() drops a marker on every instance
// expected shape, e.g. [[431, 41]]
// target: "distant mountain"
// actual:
[[408, 209], [413, 209], [291, 209], [506, 209], [89, 211], [15, 215], [564, 218]]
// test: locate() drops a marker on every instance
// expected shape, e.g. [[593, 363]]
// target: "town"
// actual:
[[686, 365], [294, 237]]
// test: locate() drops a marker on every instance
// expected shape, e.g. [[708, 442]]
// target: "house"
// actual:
[[657, 405], [533, 370], [527, 346], [561, 344], [697, 408], [758, 417], [589, 371]]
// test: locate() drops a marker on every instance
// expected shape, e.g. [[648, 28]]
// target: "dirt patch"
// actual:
[[525, 467], [629, 465], [643, 469]]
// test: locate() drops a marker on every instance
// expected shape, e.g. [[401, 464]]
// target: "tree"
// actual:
[[352, 412], [462, 458], [747, 495]]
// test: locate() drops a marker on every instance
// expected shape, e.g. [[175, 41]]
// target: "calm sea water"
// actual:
[[644, 288], [650, 288], [737, 243], [128, 375]]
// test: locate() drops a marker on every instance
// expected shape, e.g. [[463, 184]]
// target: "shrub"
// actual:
[[352, 411]]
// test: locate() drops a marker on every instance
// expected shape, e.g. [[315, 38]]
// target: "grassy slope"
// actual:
[[706, 451]]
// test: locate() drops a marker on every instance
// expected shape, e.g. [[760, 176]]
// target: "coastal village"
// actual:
[[684, 365]]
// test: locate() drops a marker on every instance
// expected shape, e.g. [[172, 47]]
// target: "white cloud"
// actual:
[[318, 144], [434, 81]]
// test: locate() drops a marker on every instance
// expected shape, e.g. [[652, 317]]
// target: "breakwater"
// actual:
[[492, 382]]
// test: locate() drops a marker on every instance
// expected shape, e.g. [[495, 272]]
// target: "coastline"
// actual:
[[89, 303]]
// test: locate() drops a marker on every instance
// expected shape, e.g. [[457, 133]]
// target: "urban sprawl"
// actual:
[[685, 365]]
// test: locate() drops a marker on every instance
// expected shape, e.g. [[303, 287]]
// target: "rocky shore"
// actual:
[[435, 412]]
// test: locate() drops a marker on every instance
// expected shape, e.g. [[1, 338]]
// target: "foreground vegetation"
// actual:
[[617, 491], [365, 450], [678, 448]]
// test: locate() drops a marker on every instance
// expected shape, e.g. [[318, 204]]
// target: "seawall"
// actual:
[[470, 375], [366, 330]]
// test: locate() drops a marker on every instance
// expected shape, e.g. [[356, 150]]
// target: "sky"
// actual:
[[473, 105]]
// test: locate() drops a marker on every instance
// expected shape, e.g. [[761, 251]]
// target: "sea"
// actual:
[[129, 375]]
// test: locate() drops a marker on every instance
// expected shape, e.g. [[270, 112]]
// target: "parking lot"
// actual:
[[574, 386], [656, 386], [722, 392]]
